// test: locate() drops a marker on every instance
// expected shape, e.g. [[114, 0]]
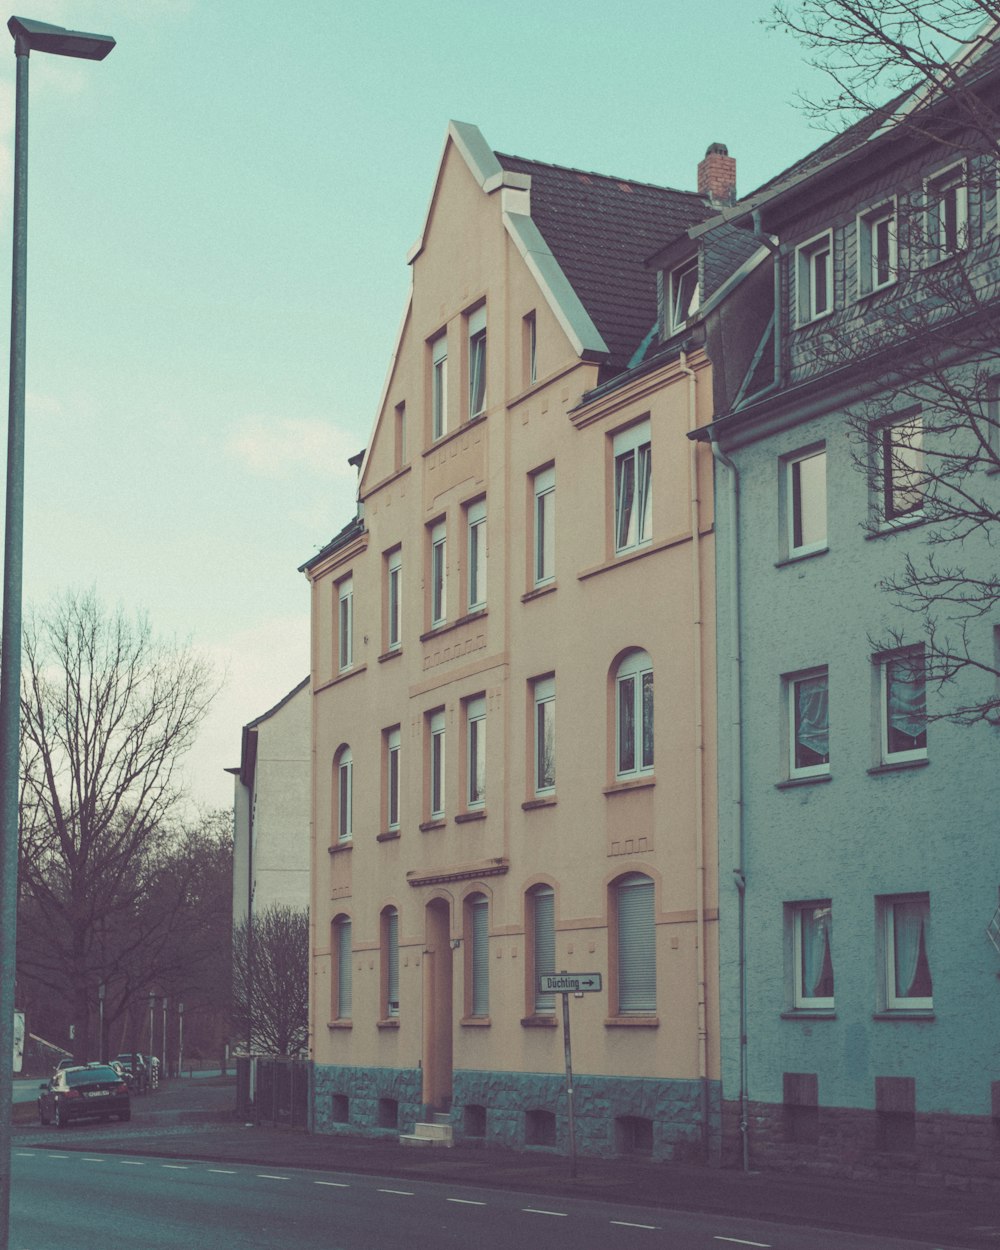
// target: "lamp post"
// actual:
[[39, 37], [163, 1062], [100, 1021], [180, 1039]]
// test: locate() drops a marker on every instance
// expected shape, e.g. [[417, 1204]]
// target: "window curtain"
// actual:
[[817, 953], [912, 968], [907, 701], [812, 721]]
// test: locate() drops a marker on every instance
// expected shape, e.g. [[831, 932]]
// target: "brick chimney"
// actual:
[[717, 175]]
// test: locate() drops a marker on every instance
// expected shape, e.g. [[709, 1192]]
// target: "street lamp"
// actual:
[[164, 1073], [40, 37], [180, 1039], [100, 1021]]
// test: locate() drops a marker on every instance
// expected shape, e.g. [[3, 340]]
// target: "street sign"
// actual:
[[570, 983]]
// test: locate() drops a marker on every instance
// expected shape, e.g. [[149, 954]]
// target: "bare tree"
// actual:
[[271, 981], [925, 355], [107, 713]]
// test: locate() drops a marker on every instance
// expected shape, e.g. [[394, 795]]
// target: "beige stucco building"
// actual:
[[533, 547]]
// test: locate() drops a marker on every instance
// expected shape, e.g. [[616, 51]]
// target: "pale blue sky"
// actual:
[[219, 219]]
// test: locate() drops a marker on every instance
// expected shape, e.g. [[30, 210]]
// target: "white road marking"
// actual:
[[25, 1154], [178, 1167], [466, 1202], [536, 1211], [223, 1171], [739, 1241], [85, 1159], [407, 1193], [333, 1184], [626, 1224], [268, 1176], [131, 1163], [57, 1156]]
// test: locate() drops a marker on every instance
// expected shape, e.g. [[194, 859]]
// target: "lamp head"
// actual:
[[32, 36]]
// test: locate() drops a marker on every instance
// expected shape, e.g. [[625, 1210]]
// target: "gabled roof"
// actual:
[[600, 230]]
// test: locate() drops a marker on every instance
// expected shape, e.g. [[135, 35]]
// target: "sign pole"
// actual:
[[569, 1084]]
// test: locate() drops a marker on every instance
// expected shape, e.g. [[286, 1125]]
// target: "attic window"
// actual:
[[683, 295]]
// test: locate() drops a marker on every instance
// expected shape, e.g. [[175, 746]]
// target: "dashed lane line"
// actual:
[[224, 1171], [177, 1167], [466, 1202], [405, 1193], [628, 1224], [740, 1241], [333, 1184], [269, 1176], [537, 1211], [131, 1163]]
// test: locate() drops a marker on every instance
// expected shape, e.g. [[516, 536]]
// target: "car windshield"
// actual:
[[86, 1076]]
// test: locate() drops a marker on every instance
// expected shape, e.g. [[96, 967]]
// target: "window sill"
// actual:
[[463, 818], [632, 1022], [337, 847], [810, 1013], [897, 766], [923, 1013], [345, 676], [475, 1022], [532, 805], [622, 787], [340, 1024], [793, 783], [446, 626], [875, 290], [389, 836], [449, 436], [390, 655], [883, 528], [390, 1024], [626, 557], [812, 321], [796, 557], [538, 591], [428, 825], [538, 1022]]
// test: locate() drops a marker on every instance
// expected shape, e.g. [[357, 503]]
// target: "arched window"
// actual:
[[541, 906], [634, 715], [390, 963], [344, 794], [477, 938], [635, 920], [340, 951]]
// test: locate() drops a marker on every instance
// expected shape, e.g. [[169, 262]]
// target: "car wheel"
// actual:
[[57, 1116], [42, 1117]]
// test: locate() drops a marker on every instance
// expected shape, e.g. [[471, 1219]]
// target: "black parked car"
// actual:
[[96, 1091]]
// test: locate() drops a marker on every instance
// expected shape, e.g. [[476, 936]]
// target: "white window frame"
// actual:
[[802, 1001], [475, 753], [796, 492], [635, 668], [684, 295], [477, 362], [953, 178], [439, 574], [877, 248], [632, 452], [393, 591], [531, 346], [894, 1000], [392, 780], [894, 463], [807, 306], [345, 795], [544, 735], [885, 662], [475, 520], [436, 765], [793, 682], [439, 387], [543, 542], [345, 624]]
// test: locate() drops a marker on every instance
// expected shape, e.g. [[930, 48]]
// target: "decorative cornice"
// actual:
[[469, 872]]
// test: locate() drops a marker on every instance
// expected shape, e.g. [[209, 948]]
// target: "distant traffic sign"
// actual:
[[570, 983]]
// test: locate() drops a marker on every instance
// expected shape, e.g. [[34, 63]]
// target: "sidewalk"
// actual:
[[195, 1120]]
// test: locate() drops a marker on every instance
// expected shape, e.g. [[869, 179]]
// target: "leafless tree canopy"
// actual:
[[271, 981], [107, 713]]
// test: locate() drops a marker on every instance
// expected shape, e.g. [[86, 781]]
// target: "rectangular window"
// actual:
[[392, 739], [399, 436], [544, 691], [477, 362], [542, 900], [683, 295], [877, 248], [439, 386], [475, 756], [903, 708], [814, 278], [633, 488], [901, 451], [476, 523], [812, 949], [439, 575], [947, 213], [805, 495], [436, 765], [544, 554], [636, 945], [906, 935], [530, 348], [345, 623], [479, 955], [809, 724], [344, 965], [345, 796], [393, 617]]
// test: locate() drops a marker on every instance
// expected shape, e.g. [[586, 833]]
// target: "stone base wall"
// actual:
[[661, 1119], [959, 1152]]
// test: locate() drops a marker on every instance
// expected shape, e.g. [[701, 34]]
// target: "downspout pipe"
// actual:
[[699, 771], [736, 765]]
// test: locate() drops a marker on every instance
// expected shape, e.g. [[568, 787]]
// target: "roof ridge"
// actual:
[[590, 173]]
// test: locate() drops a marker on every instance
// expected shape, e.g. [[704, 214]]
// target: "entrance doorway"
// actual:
[[437, 1059]]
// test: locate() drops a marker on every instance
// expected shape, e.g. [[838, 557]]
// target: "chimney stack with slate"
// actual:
[[717, 175]]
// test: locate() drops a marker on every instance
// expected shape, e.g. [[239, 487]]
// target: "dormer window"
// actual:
[[947, 213], [814, 278], [877, 248], [683, 295]]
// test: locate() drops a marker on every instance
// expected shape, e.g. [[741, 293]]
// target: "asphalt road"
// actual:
[[94, 1201]]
